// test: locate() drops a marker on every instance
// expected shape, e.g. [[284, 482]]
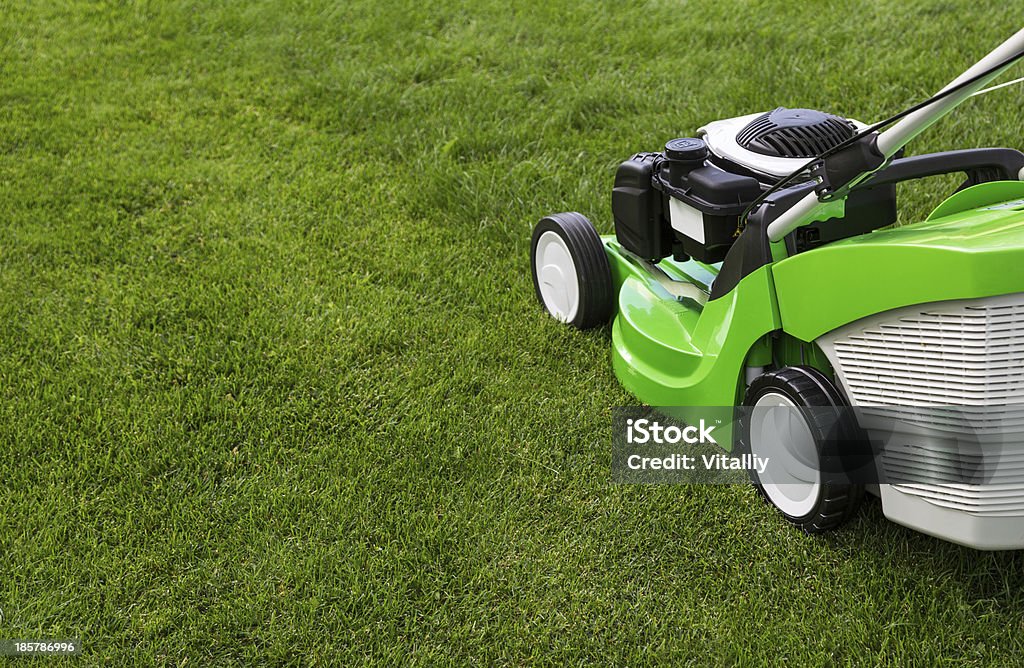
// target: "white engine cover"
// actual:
[[720, 136]]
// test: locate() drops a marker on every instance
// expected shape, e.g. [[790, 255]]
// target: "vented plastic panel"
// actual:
[[781, 133], [953, 375], [987, 501], [995, 473], [966, 355]]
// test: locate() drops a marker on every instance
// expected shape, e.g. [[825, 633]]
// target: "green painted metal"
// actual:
[[983, 194], [825, 211], [671, 352], [970, 253], [760, 353]]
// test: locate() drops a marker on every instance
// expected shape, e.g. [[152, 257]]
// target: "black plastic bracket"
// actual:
[[751, 250], [835, 173]]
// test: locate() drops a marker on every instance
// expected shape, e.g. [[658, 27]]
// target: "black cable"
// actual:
[[873, 128]]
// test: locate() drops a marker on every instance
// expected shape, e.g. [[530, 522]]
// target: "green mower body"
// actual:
[[742, 274], [672, 351]]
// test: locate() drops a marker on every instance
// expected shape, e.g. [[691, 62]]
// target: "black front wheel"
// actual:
[[570, 270], [796, 419]]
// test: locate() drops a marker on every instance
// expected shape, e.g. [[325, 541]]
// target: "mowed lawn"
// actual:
[[275, 386]]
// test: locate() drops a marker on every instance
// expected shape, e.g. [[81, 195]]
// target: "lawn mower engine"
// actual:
[[687, 201]]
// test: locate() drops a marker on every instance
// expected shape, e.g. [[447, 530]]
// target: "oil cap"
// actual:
[[687, 149]]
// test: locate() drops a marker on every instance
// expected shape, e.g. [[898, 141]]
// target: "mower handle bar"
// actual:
[[980, 165], [889, 142]]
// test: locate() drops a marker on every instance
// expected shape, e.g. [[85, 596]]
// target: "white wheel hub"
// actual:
[[556, 276], [779, 431]]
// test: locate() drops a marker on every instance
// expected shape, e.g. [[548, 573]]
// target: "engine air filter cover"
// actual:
[[794, 133]]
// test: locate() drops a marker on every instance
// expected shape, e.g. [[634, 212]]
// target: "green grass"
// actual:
[[275, 387]]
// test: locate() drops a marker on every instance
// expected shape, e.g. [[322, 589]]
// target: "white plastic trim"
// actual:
[[686, 220], [557, 277], [784, 438], [720, 137]]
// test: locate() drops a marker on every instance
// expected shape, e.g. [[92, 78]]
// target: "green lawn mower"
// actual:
[[756, 264]]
